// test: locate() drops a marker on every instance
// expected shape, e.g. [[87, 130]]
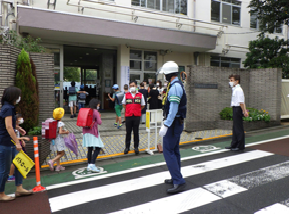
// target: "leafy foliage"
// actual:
[[35, 131], [270, 13], [254, 115], [226, 114], [71, 74], [29, 44], [268, 53], [26, 81]]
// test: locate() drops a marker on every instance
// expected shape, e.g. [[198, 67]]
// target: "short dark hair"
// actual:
[[18, 116], [237, 77], [125, 86], [93, 103], [230, 76], [152, 86], [73, 84], [10, 95], [141, 85], [133, 81]]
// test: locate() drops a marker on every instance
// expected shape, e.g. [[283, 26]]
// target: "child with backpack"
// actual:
[[82, 94], [19, 120], [72, 92], [117, 98], [91, 137], [58, 144]]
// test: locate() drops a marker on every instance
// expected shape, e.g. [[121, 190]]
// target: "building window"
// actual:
[[226, 11], [225, 62], [254, 24], [170, 6], [143, 64]]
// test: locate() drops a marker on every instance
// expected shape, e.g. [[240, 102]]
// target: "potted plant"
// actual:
[[257, 119]]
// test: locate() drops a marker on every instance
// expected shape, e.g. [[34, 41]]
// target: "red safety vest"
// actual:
[[133, 105]]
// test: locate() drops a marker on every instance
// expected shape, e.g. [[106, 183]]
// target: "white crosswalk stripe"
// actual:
[[274, 209], [118, 188], [215, 191]]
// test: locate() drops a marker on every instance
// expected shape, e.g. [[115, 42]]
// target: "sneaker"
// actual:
[[119, 126], [88, 168], [123, 121], [71, 116], [74, 115], [94, 168], [59, 168], [115, 124], [51, 167], [11, 178]]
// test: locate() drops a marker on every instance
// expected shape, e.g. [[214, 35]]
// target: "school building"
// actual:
[[131, 39]]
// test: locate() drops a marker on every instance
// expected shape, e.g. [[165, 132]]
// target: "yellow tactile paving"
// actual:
[[114, 145]]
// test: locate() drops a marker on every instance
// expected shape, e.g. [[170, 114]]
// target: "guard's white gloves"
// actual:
[[163, 130]]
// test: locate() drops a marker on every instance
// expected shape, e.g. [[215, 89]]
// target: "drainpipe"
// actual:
[[196, 55], [194, 15]]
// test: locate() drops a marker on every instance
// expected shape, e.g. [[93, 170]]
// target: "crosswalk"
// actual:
[[254, 181]]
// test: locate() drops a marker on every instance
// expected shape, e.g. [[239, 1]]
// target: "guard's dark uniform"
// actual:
[[177, 96]]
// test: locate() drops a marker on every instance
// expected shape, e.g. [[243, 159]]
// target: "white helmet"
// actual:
[[169, 67]]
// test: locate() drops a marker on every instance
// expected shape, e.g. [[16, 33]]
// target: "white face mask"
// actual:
[[158, 84], [132, 89], [18, 100], [21, 121], [231, 84], [98, 107]]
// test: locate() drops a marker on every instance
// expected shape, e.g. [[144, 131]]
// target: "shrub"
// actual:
[[254, 115], [26, 81], [227, 114], [35, 131]]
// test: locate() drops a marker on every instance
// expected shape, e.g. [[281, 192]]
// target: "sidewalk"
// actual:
[[114, 139]]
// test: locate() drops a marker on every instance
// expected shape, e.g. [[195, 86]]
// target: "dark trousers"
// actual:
[[91, 158], [238, 139], [171, 151], [7, 154], [132, 124]]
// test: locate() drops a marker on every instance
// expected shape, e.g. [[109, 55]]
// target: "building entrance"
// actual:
[[93, 68]]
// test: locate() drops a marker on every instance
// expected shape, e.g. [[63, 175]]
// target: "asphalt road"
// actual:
[[218, 182]]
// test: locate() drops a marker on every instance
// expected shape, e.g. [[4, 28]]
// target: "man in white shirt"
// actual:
[[239, 110]]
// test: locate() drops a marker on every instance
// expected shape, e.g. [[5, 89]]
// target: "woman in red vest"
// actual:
[[133, 102]]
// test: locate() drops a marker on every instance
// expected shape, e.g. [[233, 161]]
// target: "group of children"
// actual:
[[91, 139], [19, 130]]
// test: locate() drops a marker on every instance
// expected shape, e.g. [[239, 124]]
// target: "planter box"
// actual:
[[43, 148], [248, 126]]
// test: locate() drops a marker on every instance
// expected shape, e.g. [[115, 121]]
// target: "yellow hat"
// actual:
[[58, 113]]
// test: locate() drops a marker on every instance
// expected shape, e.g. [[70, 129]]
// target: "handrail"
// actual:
[[179, 25], [153, 12]]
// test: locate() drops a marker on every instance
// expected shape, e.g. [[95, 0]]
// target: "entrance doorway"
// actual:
[[91, 68]]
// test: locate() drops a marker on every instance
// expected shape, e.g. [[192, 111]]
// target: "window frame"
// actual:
[[232, 5], [142, 71], [161, 6], [228, 60], [258, 26]]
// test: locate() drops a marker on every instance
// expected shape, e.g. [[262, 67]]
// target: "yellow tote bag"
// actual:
[[23, 163]]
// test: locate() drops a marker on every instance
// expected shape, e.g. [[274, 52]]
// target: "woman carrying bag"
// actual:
[[11, 97]]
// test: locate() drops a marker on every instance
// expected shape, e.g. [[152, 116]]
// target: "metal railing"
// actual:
[[135, 17]]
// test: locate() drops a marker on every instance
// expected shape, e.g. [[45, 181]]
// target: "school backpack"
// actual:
[[49, 129], [119, 97], [85, 118], [82, 96], [72, 91]]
